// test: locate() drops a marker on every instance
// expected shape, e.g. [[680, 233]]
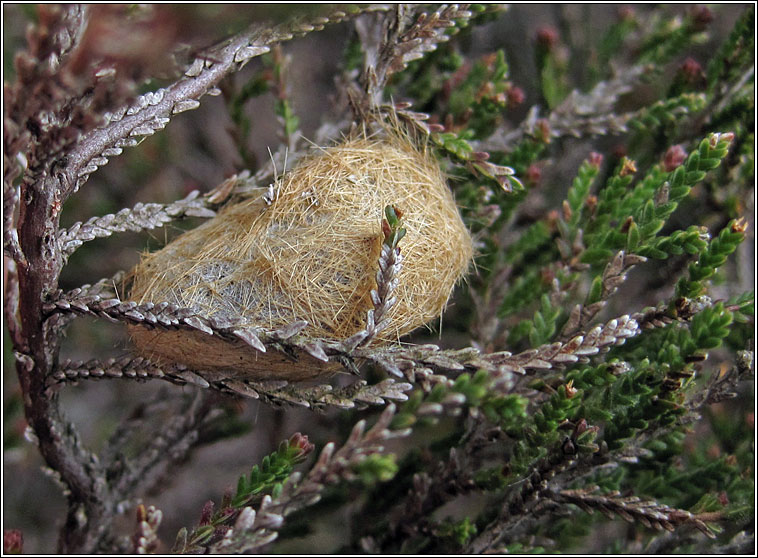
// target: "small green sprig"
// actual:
[[533, 241], [553, 412], [257, 85], [392, 226], [667, 112], [743, 306], [706, 485], [552, 67], [711, 257], [691, 241], [290, 121], [707, 330], [273, 471], [543, 324], [268, 477], [649, 204], [580, 188]]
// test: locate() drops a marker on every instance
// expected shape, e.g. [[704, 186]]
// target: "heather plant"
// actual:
[[598, 356]]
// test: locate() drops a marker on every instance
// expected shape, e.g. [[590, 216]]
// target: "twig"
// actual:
[[392, 358], [579, 114], [632, 509], [318, 397], [154, 110], [390, 265], [614, 275], [721, 386], [24, 147], [388, 48], [140, 217]]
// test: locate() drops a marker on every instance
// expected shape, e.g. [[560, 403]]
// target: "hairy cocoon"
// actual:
[[310, 255]]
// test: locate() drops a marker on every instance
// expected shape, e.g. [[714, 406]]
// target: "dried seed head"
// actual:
[[311, 254]]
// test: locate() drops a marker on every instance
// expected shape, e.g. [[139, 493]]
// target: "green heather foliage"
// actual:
[[599, 356]]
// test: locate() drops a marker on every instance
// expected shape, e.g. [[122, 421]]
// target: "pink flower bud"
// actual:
[[514, 95], [543, 130], [207, 513], [547, 36], [301, 442], [626, 13], [674, 157], [581, 427], [596, 159], [533, 174], [701, 17], [13, 541], [691, 69]]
